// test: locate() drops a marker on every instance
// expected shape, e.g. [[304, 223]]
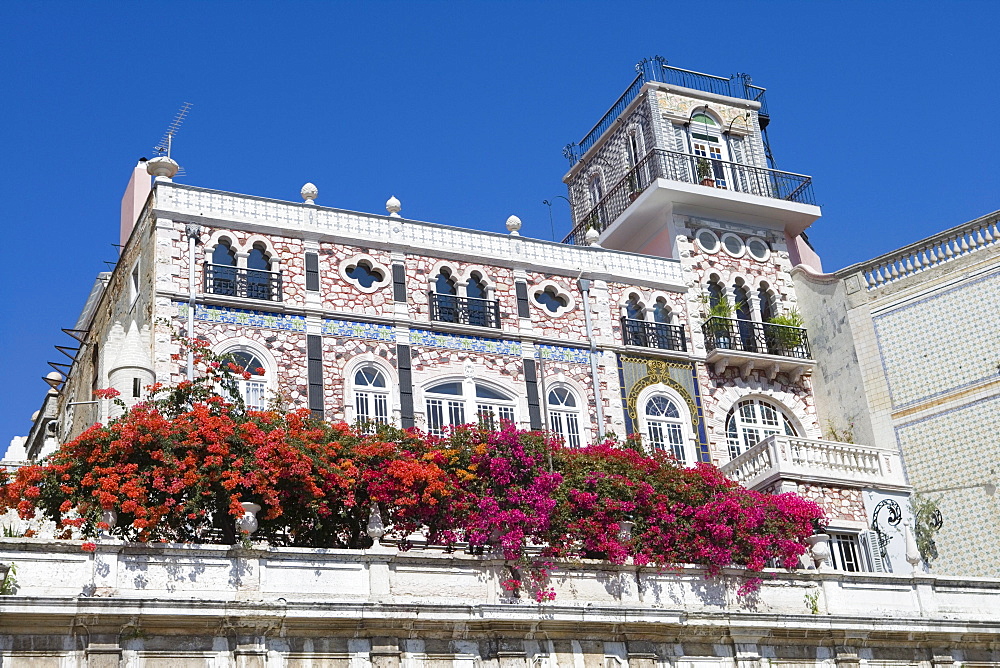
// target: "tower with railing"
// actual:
[[676, 143]]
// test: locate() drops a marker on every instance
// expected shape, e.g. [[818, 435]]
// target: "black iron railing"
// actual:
[[465, 310], [686, 168], [756, 337], [653, 335], [230, 281], [656, 69]]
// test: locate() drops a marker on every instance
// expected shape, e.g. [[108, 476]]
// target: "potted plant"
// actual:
[[706, 176], [788, 335], [719, 316]]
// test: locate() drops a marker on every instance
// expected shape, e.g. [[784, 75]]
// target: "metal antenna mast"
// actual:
[[167, 142]]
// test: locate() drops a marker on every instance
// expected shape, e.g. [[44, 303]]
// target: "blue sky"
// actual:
[[460, 110]]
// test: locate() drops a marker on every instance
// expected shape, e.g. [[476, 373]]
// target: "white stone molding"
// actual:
[[767, 249], [641, 300], [356, 259], [560, 291], [687, 429], [700, 246], [370, 359], [484, 278], [269, 252], [256, 214], [742, 245]]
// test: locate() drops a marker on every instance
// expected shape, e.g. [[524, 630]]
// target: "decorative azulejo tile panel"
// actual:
[[247, 318], [953, 451], [359, 330], [941, 343], [561, 354], [421, 337]]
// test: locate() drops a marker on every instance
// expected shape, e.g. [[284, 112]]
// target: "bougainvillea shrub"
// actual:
[[176, 468]]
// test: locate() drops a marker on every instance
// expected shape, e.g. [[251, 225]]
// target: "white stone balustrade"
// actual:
[[927, 253], [54, 577], [817, 461], [179, 202]]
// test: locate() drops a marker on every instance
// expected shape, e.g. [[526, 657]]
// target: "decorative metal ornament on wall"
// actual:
[[658, 371], [893, 519]]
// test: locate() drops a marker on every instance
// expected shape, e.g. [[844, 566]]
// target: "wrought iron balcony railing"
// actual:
[[756, 337], [465, 310], [656, 69], [686, 168], [231, 281], [653, 335]]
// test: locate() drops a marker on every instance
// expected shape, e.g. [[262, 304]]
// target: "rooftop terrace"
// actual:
[[656, 69]]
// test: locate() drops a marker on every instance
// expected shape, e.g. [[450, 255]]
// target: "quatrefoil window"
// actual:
[[552, 298], [365, 273]]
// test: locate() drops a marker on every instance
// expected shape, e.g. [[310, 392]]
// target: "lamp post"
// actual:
[[548, 203]]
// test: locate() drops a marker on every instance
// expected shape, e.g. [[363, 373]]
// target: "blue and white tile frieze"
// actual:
[[247, 318], [421, 337], [562, 354], [359, 330]]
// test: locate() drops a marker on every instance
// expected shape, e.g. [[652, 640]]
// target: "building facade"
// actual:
[[659, 317]]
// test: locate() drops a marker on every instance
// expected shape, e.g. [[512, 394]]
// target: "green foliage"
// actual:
[[789, 333], [843, 435], [8, 586], [812, 602], [704, 169], [927, 523], [10, 532]]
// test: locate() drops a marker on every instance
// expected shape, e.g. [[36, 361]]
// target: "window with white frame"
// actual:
[[371, 396], [449, 404], [564, 416], [752, 420], [253, 390], [709, 149], [665, 426]]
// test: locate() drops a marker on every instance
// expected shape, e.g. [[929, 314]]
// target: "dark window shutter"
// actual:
[[531, 385], [314, 354], [399, 282], [521, 289], [312, 271], [405, 385]]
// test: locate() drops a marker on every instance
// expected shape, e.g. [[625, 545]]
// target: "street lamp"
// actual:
[[548, 203]]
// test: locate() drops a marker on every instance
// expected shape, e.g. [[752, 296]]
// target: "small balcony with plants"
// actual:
[[779, 345]]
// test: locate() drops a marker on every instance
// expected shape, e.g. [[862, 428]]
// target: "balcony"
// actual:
[[708, 181], [756, 345], [653, 335], [231, 281], [816, 462], [465, 310]]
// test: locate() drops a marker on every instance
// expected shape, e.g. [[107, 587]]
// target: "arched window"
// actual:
[[634, 309], [444, 301], [595, 187], [371, 396], [222, 276], [444, 284], [258, 273], [445, 407], [661, 312], [479, 309], [716, 293], [709, 150], [564, 416], [633, 148], [752, 420], [665, 426], [766, 303], [252, 390], [448, 404]]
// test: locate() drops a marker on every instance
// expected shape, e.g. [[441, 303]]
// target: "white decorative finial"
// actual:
[[513, 225], [162, 167], [309, 192], [591, 237], [393, 206]]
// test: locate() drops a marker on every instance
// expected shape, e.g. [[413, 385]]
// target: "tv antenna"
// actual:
[[165, 146]]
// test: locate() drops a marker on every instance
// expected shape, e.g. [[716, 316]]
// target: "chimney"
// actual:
[[134, 198]]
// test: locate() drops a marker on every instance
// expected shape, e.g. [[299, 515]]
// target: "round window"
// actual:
[[758, 249], [733, 244], [707, 240]]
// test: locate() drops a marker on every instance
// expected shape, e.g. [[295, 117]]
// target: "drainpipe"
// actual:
[[584, 284], [192, 231]]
